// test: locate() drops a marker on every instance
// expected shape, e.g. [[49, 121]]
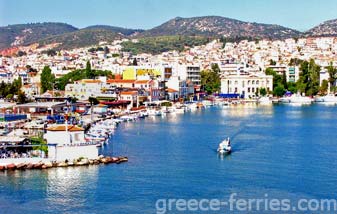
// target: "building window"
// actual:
[[253, 90], [248, 83], [257, 82], [248, 90], [236, 90], [236, 82], [253, 82]]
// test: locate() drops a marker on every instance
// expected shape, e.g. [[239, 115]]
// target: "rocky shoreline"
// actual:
[[52, 164]]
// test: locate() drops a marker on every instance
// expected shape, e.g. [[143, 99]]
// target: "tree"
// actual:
[[135, 63], [21, 97], [21, 53], [88, 71], [279, 91], [215, 68], [292, 87], [210, 81], [93, 101], [308, 81], [284, 80], [332, 76], [47, 79], [277, 79], [272, 62], [263, 92], [50, 52], [324, 87], [106, 50]]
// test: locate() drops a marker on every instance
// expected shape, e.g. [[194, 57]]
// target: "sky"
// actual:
[[145, 14]]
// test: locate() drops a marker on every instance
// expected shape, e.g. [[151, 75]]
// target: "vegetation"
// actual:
[[40, 143], [21, 53], [38, 31], [8, 90], [263, 92], [49, 52], [47, 79], [134, 63], [124, 31], [308, 82], [225, 40], [210, 79], [92, 50], [80, 74], [332, 77], [93, 101], [166, 104], [278, 82], [21, 97], [272, 62], [216, 26], [156, 45], [324, 87], [81, 38]]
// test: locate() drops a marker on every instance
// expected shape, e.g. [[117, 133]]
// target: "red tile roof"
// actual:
[[71, 128], [119, 81]]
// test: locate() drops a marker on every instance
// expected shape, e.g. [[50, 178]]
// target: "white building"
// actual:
[[293, 73], [189, 72], [67, 142], [246, 85], [323, 75], [83, 89]]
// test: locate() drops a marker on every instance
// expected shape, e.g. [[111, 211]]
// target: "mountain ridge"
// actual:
[[207, 26]]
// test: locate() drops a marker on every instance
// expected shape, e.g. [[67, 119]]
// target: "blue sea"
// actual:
[[279, 151]]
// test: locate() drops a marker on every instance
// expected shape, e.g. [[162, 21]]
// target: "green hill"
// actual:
[[24, 34], [156, 45], [82, 38]]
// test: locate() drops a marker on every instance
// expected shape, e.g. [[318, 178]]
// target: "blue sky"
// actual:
[[145, 14]]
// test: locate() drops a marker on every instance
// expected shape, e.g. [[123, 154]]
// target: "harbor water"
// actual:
[[283, 151]]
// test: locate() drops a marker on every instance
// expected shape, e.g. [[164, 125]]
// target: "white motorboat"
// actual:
[[300, 99], [154, 112], [225, 147], [330, 98], [296, 99]]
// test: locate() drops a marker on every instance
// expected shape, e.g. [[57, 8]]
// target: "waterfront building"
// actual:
[[246, 85], [36, 109], [183, 87], [193, 74], [323, 75], [292, 74], [68, 142], [83, 89], [131, 96]]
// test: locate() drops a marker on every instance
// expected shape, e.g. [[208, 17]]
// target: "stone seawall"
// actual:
[[66, 163]]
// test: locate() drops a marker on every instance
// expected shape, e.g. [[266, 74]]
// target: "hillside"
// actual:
[[156, 45], [23, 34], [82, 38], [220, 26], [328, 28], [124, 31]]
